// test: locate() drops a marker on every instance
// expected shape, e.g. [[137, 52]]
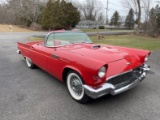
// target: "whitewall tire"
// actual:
[[75, 87]]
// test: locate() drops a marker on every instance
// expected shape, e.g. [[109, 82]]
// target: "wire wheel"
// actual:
[[75, 87]]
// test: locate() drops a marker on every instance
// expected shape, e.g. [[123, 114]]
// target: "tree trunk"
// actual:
[[139, 15]]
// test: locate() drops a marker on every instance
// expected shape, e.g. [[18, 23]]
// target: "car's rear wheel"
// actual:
[[30, 64], [75, 87]]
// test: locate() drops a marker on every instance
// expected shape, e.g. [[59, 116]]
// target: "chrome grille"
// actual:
[[126, 78]]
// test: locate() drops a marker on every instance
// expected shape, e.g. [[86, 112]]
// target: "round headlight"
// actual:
[[102, 72], [146, 58]]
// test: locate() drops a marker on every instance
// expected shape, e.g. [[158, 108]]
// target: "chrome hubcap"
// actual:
[[76, 85]]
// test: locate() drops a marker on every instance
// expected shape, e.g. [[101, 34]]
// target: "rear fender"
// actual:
[[24, 49]]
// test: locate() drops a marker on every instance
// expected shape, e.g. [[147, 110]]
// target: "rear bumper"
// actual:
[[18, 52], [108, 88]]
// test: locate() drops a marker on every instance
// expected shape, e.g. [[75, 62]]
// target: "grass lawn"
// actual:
[[94, 30], [100, 30], [142, 42], [133, 41]]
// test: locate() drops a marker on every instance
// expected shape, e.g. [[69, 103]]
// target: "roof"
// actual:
[[65, 31], [87, 22]]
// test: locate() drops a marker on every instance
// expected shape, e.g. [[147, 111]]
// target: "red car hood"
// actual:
[[103, 53]]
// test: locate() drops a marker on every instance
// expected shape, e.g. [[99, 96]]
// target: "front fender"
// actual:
[[132, 51], [88, 74]]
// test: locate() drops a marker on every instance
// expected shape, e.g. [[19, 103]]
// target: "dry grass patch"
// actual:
[[15, 28]]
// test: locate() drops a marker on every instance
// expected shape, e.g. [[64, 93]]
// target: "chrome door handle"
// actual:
[[31, 48], [55, 56]]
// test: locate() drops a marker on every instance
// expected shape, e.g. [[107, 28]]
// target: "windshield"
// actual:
[[66, 38]]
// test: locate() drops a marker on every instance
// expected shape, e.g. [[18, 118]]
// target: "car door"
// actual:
[[56, 63], [47, 58]]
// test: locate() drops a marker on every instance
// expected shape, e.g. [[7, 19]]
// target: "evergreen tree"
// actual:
[[46, 16], [154, 16], [115, 20], [59, 15], [129, 22], [154, 21], [157, 14]]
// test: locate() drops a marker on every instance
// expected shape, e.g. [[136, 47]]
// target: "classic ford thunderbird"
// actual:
[[89, 70]]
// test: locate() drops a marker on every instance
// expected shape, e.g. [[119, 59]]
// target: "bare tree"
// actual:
[[6, 15], [136, 6], [141, 7], [89, 9], [139, 13], [101, 19], [131, 4], [146, 7], [21, 11]]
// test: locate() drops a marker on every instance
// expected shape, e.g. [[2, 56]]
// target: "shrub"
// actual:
[[101, 27]]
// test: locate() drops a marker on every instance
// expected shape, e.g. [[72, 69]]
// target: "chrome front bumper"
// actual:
[[108, 88]]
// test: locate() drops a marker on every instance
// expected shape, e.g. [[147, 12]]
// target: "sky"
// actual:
[[113, 6], [117, 5]]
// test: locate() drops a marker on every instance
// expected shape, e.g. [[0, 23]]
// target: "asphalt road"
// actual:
[[27, 94], [123, 32]]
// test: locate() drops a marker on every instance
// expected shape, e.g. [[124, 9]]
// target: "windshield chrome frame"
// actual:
[[46, 38]]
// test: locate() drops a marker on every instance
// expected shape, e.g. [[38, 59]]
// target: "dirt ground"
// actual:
[[13, 28]]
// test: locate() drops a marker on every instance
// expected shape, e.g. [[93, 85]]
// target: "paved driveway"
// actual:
[[27, 94]]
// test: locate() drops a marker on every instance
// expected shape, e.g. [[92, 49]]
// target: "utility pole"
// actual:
[[107, 12]]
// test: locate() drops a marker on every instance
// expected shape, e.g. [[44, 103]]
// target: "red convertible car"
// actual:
[[89, 70]]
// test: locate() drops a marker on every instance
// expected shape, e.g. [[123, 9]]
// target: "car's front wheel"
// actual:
[[75, 87], [30, 64]]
